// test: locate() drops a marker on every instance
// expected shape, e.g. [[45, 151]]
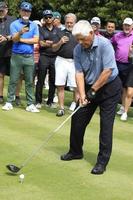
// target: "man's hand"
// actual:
[[64, 39], [2, 38], [83, 101]]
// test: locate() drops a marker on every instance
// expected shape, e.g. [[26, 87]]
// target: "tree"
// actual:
[[115, 10]]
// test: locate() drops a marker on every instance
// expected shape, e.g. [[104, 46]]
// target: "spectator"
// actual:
[[48, 34], [5, 45], [99, 85], [96, 24], [57, 20], [110, 30], [64, 64], [129, 87], [121, 42], [24, 35]]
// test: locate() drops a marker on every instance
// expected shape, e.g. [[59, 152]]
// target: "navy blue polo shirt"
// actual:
[[94, 60], [46, 34], [19, 47]]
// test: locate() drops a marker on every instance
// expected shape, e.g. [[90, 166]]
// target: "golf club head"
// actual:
[[13, 168]]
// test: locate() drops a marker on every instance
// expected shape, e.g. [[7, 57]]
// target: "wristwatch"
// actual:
[[91, 94]]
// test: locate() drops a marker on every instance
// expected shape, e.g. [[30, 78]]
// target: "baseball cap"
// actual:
[[3, 5], [26, 6], [47, 12], [95, 20], [128, 21], [57, 15]]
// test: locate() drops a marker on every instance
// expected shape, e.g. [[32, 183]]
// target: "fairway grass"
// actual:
[[49, 178]]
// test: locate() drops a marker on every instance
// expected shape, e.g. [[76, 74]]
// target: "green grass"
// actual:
[[48, 178]]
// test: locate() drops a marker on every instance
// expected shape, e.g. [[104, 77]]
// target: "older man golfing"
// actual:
[[99, 86]]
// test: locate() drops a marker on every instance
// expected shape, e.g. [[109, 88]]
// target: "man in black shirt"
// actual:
[[5, 45], [48, 35], [110, 30], [64, 64]]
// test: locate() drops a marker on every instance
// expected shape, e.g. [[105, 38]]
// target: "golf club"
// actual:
[[13, 168]]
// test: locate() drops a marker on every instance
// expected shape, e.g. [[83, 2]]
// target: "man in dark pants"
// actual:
[[48, 35], [99, 85], [5, 45]]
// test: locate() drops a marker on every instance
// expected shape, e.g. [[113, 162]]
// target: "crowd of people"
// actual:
[[52, 44], [97, 65]]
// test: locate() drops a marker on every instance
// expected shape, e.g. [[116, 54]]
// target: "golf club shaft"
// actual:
[[50, 135]]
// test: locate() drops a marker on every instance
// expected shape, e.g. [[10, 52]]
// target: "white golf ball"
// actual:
[[21, 176]]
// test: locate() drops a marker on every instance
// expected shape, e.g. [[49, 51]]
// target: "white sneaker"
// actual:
[[38, 105], [120, 111], [32, 108], [124, 116], [72, 106], [7, 106], [55, 100]]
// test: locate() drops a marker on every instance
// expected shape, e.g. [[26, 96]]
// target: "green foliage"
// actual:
[[115, 10]]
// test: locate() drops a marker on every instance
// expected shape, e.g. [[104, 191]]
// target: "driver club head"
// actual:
[[13, 168]]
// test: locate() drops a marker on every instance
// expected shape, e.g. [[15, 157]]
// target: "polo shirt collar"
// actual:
[[22, 22]]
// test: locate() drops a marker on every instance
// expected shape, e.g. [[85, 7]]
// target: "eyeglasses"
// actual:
[[48, 17]]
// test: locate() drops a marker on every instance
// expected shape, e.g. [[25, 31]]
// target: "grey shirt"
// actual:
[[94, 60]]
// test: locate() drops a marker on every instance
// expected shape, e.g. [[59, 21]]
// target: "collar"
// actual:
[[131, 33], [23, 22]]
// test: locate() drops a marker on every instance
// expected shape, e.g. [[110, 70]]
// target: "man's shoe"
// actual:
[[70, 156], [32, 108], [72, 106], [7, 106], [60, 113], [98, 169], [51, 105], [38, 105], [120, 111], [124, 117]]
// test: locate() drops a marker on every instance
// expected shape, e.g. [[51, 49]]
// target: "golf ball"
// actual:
[[21, 176]]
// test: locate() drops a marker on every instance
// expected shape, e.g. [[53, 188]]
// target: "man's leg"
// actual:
[[52, 87], [28, 75], [60, 93], [15, 70], [42, 71], [78, 125], [1, 87]]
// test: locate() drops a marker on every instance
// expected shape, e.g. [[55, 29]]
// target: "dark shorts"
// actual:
[[124, 69], [129, 82], [5, 66]]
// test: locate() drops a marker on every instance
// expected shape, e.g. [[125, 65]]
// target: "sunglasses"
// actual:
[[48, 17]]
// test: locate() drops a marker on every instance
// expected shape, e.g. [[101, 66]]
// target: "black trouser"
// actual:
[[45, 63], [107, 99]]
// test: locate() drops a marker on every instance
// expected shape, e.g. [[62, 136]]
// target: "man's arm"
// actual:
[[102, 80], [33, 40], [62, 41], [81, 88]]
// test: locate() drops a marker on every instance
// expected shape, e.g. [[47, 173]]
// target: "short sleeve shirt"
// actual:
[[19, 47], [94, 60]]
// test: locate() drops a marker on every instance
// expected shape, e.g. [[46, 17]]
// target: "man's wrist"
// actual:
[[91, 94]]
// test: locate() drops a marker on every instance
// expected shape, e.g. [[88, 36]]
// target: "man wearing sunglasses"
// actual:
[[48, 35]]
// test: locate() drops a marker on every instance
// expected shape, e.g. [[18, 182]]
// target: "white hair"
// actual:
[[82, 27], [71, 15]]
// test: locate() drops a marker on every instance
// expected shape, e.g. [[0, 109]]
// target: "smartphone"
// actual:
[[27, 25]]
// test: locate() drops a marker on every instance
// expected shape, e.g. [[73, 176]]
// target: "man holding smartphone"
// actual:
[[23, 38]]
